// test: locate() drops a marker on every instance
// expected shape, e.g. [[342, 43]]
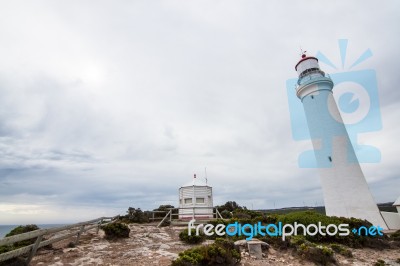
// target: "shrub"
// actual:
[[266, 219], [18, 261], [222, 252], [192, 238], [341, 250], [226, 214], [395, 236], [16, 231], [215, 223], [165, 209], [277, 242], [116, 230], [242, 216], [351, 240], [229, 206], [20, 230], [165, 223], [380, 263], [246, 213], [320, 255], [136, 216]]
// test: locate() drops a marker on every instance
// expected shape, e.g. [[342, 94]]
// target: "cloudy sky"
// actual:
[[111, 104]]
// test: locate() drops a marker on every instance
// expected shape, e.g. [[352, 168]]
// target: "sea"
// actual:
[[5, 229]]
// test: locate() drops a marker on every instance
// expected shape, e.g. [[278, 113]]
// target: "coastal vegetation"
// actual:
[[221, 252], [191, 238], [116, 230], [16, 231]]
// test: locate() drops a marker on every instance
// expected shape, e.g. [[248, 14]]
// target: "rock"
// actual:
[[242, 242], [255, 249], [65, 250], [272, 251], [264, 245], [164, 246]]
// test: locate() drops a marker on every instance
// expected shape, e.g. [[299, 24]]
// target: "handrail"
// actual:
[[164, 218], [170, 214], [38, 234]]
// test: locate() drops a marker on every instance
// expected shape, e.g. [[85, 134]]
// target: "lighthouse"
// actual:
[[344, 187]]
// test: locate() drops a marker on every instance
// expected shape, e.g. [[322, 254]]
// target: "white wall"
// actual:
[[392, 219]]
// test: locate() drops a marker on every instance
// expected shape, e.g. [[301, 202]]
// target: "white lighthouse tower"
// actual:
[[344, 187]]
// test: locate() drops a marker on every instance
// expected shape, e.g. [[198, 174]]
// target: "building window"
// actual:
[[199, 200], [188, 201]]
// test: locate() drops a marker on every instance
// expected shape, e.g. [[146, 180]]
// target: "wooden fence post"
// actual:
[[99, 225], [34, 249], [79, 234], [170, 211]]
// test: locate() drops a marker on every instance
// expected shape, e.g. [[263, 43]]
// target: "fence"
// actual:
[[78, 228], [170, 213]]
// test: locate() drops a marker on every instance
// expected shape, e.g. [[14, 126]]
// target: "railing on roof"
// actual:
[[307, 75], [80, 228]]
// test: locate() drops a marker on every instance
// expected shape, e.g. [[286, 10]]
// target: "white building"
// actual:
[[195, 200], [392, 219], [345, 189], [397, 204]]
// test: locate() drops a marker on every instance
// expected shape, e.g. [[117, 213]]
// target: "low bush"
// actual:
[[16, 231], [239, 213], [320, 255], [226, 214], [20, 230], [276, 242], [266, 219], [221, 252], [380, 263], [192, 238], [341, 250], [116, 230], [395, 236], [136, 216], [351, 240], [165, 223], [162, 210]]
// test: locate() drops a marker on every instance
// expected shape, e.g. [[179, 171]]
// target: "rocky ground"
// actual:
[[149, 245]]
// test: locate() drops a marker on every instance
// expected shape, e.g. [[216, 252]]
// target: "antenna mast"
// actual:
[[205, 171]]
